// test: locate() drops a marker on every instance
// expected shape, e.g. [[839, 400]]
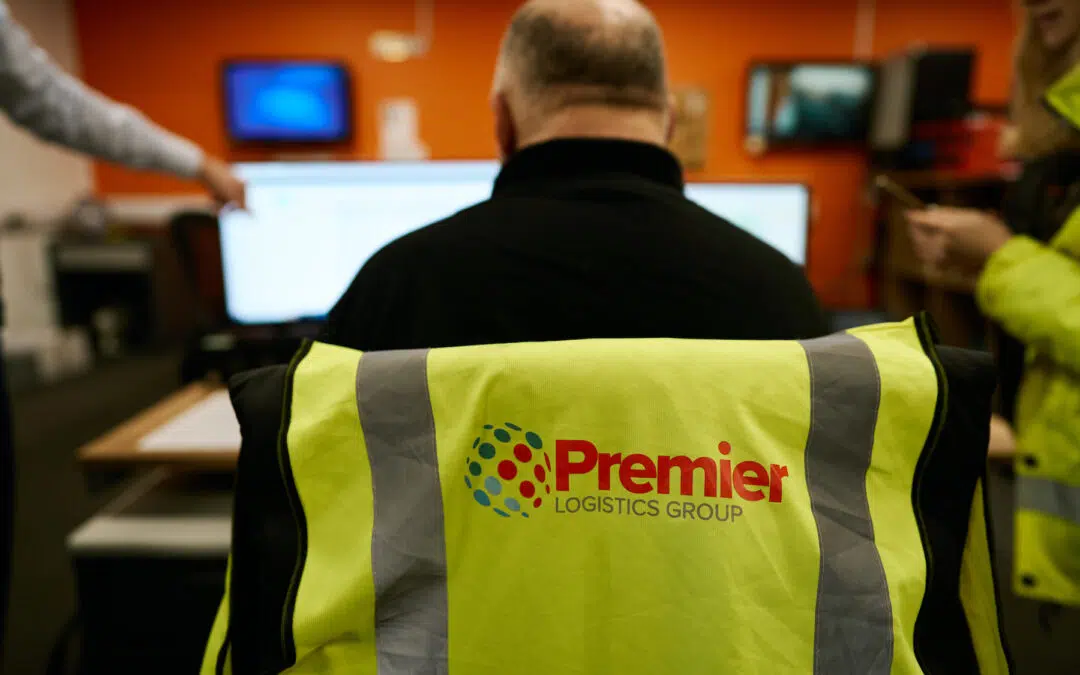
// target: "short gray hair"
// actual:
[[570, 63]]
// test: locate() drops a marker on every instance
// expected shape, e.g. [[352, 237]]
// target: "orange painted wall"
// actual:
[[162, 56]]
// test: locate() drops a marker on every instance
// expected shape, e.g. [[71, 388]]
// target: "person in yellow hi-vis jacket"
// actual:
[[1029, 284], [615, 507]]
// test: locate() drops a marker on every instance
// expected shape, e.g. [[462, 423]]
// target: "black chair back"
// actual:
[[197, 242]]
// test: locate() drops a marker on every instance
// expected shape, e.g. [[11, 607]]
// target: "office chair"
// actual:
[[195, 237]]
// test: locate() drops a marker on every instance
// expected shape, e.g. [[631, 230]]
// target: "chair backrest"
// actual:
[[196, 239]]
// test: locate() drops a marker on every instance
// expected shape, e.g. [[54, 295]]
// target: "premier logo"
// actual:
[[511, 473], [639, 474], [509, 470]]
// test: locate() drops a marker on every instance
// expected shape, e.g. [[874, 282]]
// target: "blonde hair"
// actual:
[[1040, 131]]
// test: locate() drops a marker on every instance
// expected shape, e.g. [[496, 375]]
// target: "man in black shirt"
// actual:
[[587, 233]]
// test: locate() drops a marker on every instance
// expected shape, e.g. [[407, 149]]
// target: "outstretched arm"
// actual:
[[46, 101], [40, 97]]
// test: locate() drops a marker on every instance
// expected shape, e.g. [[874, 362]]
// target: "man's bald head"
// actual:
[[562, 53]]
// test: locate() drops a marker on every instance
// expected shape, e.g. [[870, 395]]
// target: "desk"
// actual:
[[121, 446], [150, 566], [150, 573], [162, 514]]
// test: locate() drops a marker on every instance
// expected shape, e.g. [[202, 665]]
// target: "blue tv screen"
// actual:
[[288, 101]]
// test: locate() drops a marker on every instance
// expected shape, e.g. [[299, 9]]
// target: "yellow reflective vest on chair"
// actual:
[[614, 507]]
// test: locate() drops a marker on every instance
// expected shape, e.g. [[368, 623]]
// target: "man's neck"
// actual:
[[643, 127]]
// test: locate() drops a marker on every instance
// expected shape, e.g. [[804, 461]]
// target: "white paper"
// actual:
[[209, 426]]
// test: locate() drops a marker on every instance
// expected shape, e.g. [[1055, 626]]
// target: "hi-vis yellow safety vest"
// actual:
[[1030, 289], [615, 507]]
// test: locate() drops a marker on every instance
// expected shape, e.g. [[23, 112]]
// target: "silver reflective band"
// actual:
[[1048, 497], [408, 551], [853, 631]]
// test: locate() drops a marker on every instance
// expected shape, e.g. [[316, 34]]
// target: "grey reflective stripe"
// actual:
[[1048, 497], [853, 631], [408, 551]]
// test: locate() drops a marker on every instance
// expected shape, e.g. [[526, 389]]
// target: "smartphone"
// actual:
[[899, 192]]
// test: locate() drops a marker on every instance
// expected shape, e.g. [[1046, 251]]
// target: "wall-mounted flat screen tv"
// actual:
[[287, 101], [810, 103]]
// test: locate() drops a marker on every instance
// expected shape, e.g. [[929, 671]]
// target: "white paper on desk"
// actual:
[[210, 426]]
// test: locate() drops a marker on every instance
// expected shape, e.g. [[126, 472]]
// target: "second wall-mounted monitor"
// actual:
[[287, 101], [810, 103]]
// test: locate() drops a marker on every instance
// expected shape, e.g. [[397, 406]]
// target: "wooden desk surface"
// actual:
[[121, 445]]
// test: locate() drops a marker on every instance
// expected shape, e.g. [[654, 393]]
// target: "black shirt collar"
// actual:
[[571, 158]]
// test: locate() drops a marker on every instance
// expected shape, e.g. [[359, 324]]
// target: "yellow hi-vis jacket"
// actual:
[[615, 507], [1032, 290]]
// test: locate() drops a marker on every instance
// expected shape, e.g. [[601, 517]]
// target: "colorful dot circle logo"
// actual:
[[507, 470]]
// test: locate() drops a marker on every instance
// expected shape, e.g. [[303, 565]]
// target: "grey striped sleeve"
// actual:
[[43, 99]]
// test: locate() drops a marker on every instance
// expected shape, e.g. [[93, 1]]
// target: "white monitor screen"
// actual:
[[776, 213], [311, 226]]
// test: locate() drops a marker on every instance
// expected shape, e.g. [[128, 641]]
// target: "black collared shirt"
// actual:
[[580, 239]]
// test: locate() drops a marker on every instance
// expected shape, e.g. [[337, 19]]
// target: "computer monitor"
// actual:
[[311, 226], [776, 213], [276, 101]]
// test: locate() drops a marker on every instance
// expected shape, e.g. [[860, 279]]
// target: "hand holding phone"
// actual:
[[899, 192]]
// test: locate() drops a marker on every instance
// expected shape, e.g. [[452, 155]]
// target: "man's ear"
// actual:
[[669, 116], [505, 130]]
